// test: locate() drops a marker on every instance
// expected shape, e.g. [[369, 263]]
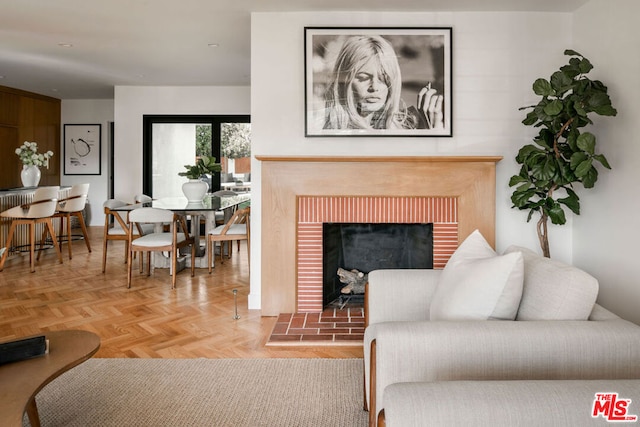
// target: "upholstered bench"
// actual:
[[509, 403]]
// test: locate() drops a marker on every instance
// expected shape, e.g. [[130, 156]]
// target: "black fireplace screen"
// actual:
[[368, 247]]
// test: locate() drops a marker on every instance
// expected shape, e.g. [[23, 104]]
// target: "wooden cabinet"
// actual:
[[26, 116]]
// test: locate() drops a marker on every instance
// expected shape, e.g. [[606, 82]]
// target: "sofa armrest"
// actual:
[[399, 295], [497, 350]]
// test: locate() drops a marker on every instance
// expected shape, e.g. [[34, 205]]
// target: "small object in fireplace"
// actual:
[[354, 279]]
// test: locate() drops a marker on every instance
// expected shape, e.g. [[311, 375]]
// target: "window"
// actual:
[[170, 142]]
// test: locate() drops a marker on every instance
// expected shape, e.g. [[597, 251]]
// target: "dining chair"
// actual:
[[220, 215], [237, 228], [142, 198], [39, 211], [73, 205], [116, 228], [159, 240]]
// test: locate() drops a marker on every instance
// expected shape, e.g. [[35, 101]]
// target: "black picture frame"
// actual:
[[82, 149], [423, 57]]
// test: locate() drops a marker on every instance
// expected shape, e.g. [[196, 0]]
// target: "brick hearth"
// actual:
[[331, 326]]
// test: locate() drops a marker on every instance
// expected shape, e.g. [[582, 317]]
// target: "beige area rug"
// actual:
[[206, 392]]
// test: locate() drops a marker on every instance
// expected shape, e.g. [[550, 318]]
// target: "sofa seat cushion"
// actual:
[[554, 290], [478, 284]]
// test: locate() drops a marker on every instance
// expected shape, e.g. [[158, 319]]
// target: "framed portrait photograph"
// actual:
[[82, 149], [378, 81]]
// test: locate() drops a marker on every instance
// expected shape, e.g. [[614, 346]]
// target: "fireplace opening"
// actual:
[[367, 247]]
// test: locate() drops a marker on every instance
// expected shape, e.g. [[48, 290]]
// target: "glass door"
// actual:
[[171, 142]]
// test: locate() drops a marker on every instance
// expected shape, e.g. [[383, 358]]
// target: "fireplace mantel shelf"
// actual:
[[373, 159]]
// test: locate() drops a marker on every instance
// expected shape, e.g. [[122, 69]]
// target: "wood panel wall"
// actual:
[[26, 116]]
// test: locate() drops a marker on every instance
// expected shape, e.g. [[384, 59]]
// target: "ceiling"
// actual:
[[79, 49]]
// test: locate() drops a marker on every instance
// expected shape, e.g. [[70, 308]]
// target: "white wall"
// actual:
[[132, 102], [606, 233], [496, 58], [89, 111]]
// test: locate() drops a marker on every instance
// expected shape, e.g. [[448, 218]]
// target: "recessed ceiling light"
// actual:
[[213, 45], [65, 45]]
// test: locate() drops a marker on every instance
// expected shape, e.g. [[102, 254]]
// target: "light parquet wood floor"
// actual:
[[149, 320]]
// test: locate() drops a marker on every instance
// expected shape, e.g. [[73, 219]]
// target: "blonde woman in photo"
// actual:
[[364, 91]]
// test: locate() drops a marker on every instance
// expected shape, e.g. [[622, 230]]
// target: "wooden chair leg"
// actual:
[[68, 216], [32, 245], [49, 225], [8, 247], [210, 249], [32, 413], [104, 251], [193, 259], [83, 226], [174, 266], [129, 266]]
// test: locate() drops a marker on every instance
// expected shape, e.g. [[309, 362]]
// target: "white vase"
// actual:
[[30, 176], [194, 190]]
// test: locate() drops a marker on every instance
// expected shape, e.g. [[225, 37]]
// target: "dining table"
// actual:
[[203, 211]]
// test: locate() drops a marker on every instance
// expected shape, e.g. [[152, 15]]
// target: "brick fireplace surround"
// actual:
[[288, 182]]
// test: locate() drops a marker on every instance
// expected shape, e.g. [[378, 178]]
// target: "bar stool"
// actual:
[[73, 205], [39, 211]]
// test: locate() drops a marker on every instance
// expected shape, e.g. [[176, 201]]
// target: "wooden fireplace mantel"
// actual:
[[471, 179], [378, 159]]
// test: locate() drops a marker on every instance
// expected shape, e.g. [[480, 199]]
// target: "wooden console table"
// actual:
[[22, 380]]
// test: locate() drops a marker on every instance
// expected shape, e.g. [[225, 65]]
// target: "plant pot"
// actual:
[[194, 190], [30, 176]]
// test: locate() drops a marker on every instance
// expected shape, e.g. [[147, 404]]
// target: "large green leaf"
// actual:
[[606, 110], [572, 202], [554, 107], [520, 198], [560, 82], [583, 168], [556, 214], [587, 142], [589, 180], [528, 152], [585, 66], [598, 99], [542, 87], [603, 160], [577, 159], [531, 118], [571, 52], [544, 168], [517, 179]]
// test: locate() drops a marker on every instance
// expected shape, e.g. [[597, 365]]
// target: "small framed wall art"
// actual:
[[82, 149], [378, 81]]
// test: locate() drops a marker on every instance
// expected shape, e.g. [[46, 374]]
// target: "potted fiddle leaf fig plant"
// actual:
[[561, 156], [195, 189]]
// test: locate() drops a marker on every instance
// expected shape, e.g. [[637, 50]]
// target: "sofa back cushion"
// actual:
[[478, 284], [554, 290]]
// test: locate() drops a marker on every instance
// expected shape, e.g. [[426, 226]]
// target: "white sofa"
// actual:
[[559, 332]]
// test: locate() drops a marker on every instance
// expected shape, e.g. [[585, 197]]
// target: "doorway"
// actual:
[[172, 141]]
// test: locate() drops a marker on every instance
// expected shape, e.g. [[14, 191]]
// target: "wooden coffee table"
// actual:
[[21, 381]]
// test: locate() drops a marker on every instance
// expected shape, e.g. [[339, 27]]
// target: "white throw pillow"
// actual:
[[554, 290], [477, 284]]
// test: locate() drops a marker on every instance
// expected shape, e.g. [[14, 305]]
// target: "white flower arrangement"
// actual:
[[28, 153]]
